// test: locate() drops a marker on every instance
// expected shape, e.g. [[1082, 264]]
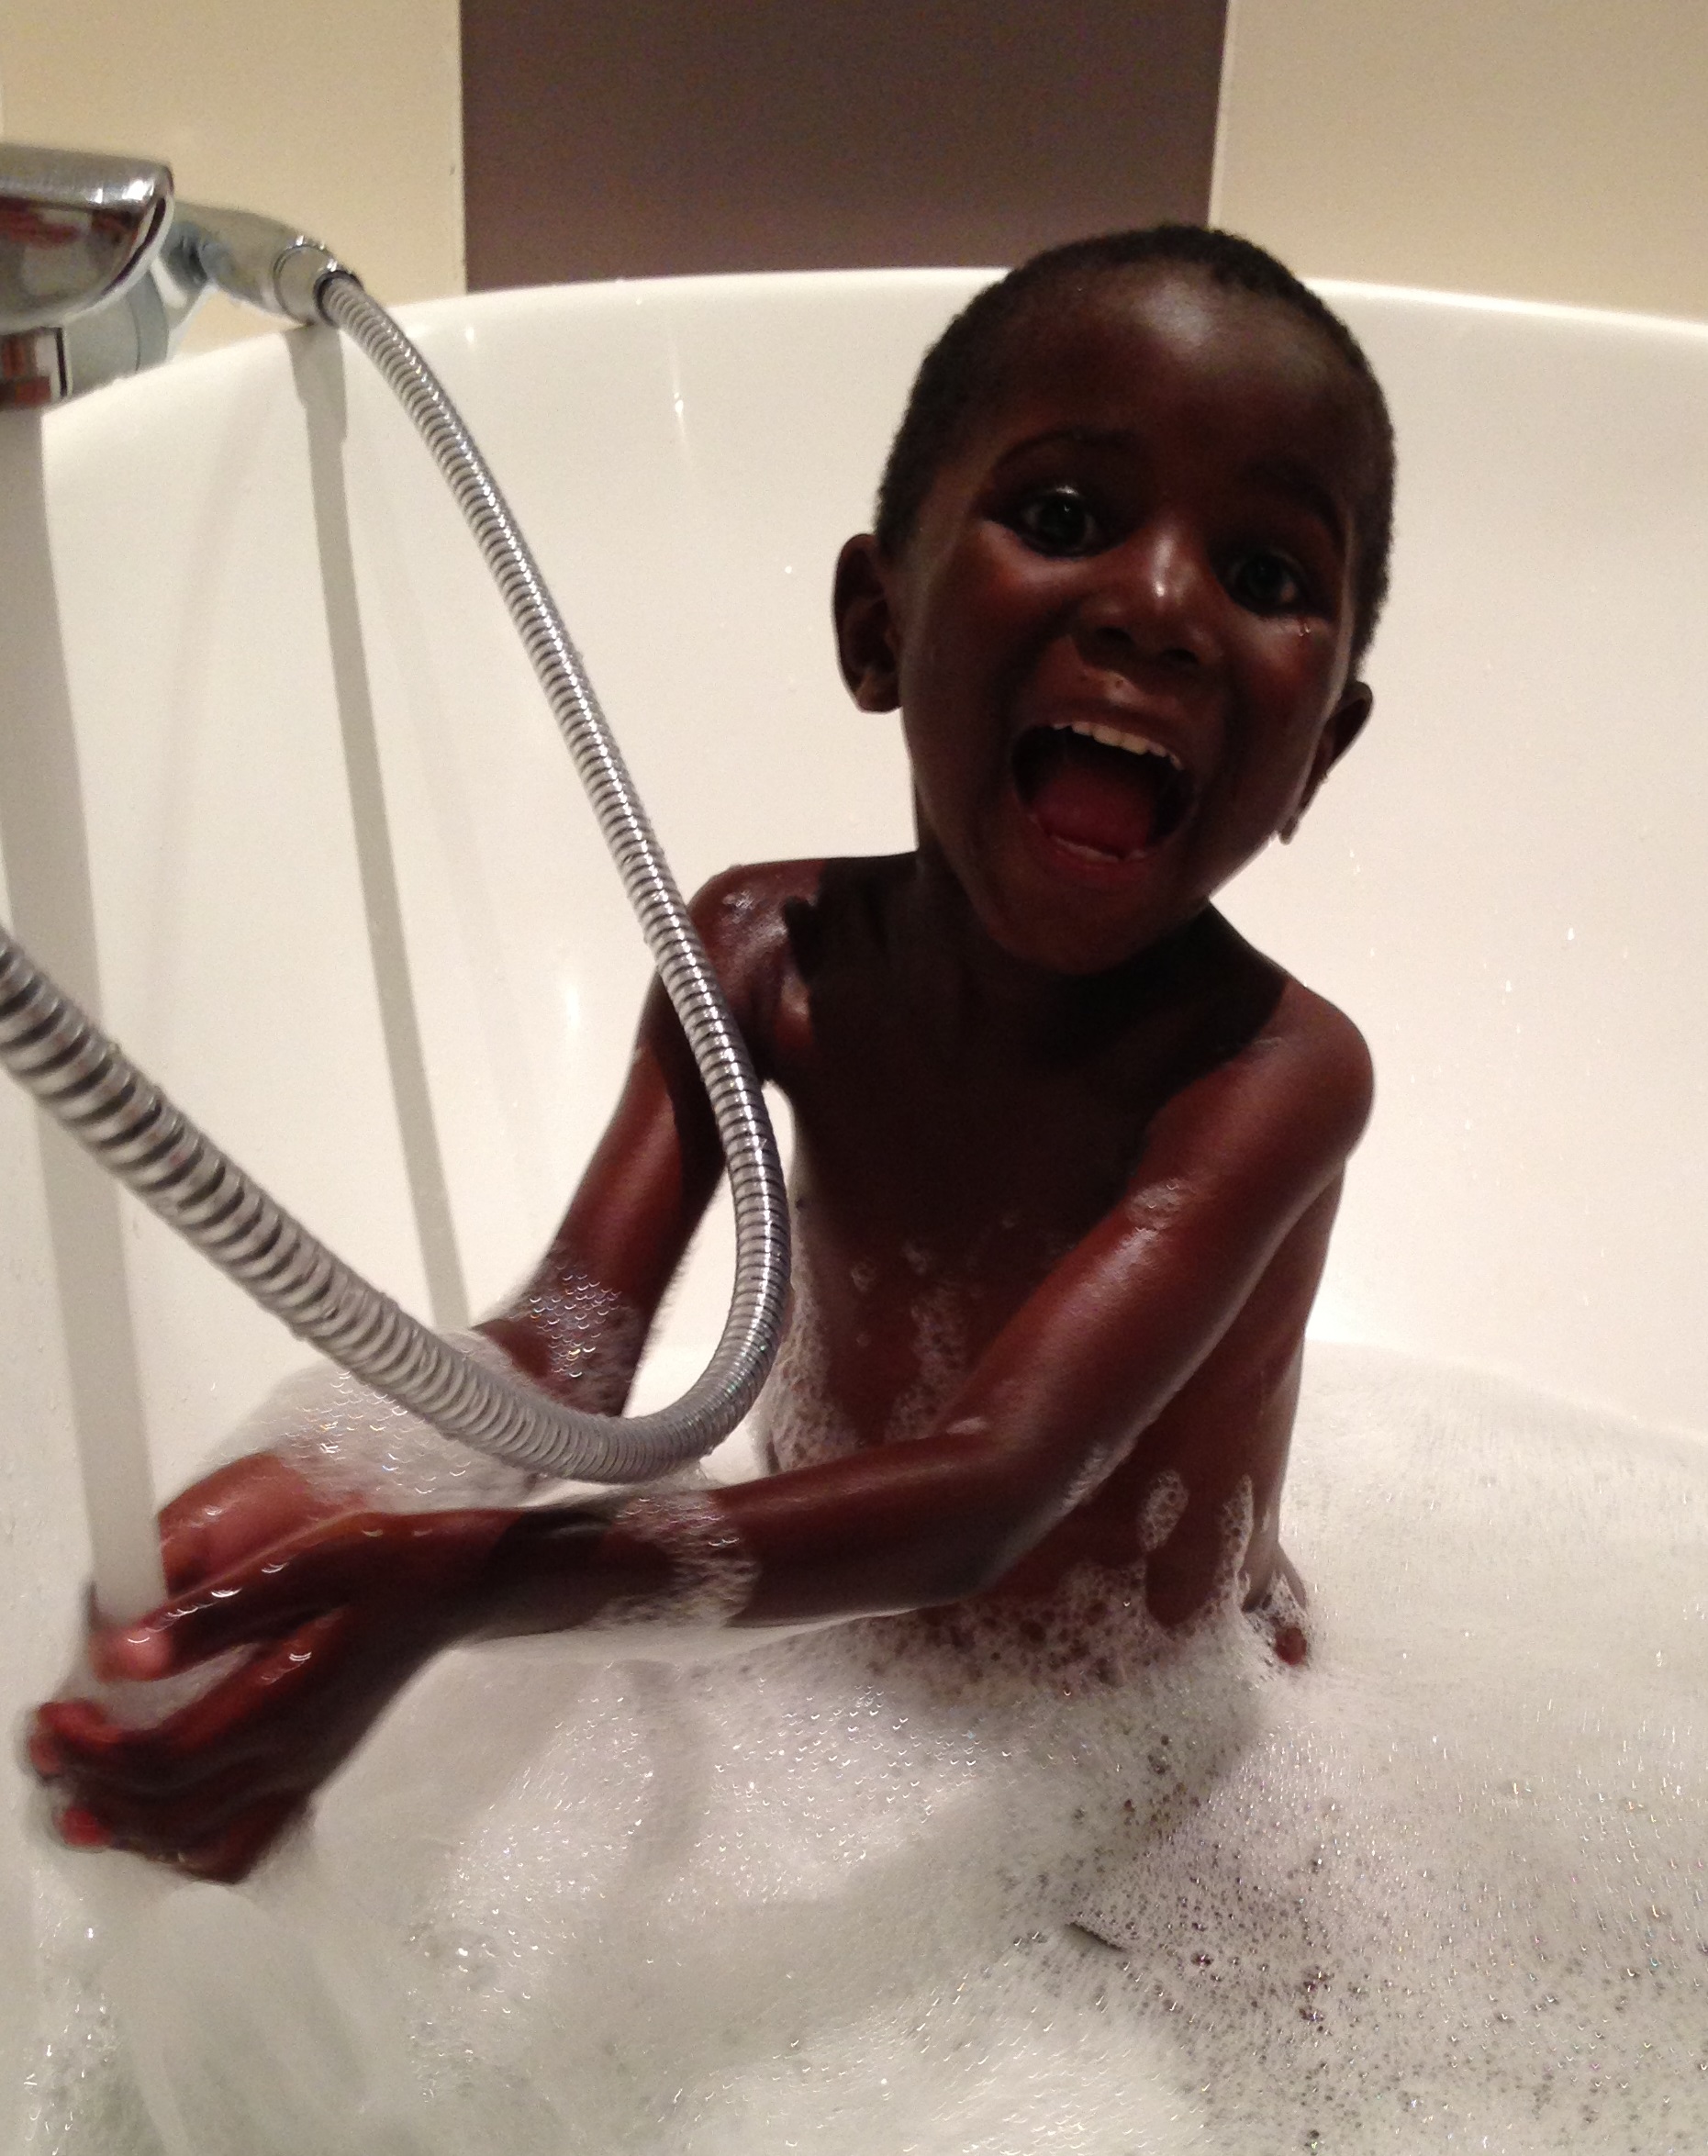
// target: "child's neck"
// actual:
[[967, 988]]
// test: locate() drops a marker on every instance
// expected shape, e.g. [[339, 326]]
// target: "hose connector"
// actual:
[[270, 265]]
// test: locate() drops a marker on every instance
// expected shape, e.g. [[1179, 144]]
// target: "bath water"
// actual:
[[939, 1888]]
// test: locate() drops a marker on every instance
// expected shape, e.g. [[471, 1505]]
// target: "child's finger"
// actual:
[[404, 1570], [192, 1828], [70, 1730], [244, 1604], [1291, 1645], [43, 1751], [234, 1851], [181, 1556], [215, 1796], [79, 1829], [235, 1512], [243, 1716], [240, 1719]]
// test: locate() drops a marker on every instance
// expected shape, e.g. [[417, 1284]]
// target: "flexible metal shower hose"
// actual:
[[84, 1078]]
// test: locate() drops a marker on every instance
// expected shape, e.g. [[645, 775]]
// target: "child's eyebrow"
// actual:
[[1299, 483], [1076, 436]]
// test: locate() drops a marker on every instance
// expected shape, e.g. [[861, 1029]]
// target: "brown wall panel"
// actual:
[[662, 137]]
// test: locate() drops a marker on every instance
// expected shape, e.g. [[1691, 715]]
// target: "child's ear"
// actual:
[[1344, 723], [866, 644]]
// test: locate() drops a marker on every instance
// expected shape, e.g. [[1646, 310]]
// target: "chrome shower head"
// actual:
[[77, 232], [100, 269]]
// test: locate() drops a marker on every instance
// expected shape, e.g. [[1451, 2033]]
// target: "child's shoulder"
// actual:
[[1327, 1046], [755, 914], [772, 927], [754, 917], [745, 898], [1304, 1064], [742, 914]]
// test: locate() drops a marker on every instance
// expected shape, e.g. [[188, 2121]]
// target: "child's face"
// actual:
[[1120, 632]]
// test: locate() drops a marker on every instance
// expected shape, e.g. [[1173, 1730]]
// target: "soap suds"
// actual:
[[1021, 1883], [352, 1441], [1162, 1512], [712, 1571], [592, 1339]]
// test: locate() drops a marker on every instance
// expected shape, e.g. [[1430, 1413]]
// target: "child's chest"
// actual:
[[981, 1173], [936, 1189], [957, 1138], [947, 1158]]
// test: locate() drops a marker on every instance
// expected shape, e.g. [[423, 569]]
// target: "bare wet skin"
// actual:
[[1068, 1149], [911, 1285]]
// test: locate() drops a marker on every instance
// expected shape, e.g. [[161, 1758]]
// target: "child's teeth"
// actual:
[[1112, 738]]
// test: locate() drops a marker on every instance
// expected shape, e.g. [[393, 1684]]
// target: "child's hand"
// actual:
[[339, 1612], [238, 1510], [1280, 1617]]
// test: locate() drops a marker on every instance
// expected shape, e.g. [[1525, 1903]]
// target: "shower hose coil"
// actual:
[[124, 1120]]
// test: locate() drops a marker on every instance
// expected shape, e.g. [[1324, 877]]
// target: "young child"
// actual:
[[1068, 1149]]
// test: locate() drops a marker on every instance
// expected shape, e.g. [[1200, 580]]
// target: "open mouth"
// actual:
[[1108, 796]]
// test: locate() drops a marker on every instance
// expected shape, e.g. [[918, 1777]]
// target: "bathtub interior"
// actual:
[[255, 683]]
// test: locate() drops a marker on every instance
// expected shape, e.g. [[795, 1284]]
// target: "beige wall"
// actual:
[[343, 115], [1545, 149]]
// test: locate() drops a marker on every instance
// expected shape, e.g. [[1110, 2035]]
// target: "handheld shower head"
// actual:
[[75, 231], [78, 233], [100, 269]]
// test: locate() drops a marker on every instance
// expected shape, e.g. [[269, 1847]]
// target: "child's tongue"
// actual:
[[1105, 800]]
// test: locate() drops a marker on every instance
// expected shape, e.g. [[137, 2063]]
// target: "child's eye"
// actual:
[[1267, 583], [1058, 521]]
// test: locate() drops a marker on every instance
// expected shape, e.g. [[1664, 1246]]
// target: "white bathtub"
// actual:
[[266, 734]]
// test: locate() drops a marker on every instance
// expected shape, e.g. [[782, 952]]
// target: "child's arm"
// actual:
[[1239, 1169], [575, 1330], [315, 1685], [1225, 1220]]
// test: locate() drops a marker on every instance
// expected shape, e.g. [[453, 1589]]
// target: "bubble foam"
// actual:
[[1048, 1882], [711, 1573], [354, 1442]]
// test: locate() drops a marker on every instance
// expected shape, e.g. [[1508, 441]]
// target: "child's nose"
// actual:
[[1151, 599]]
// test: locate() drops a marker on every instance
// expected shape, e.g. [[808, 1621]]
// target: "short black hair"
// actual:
[[962, 371]]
